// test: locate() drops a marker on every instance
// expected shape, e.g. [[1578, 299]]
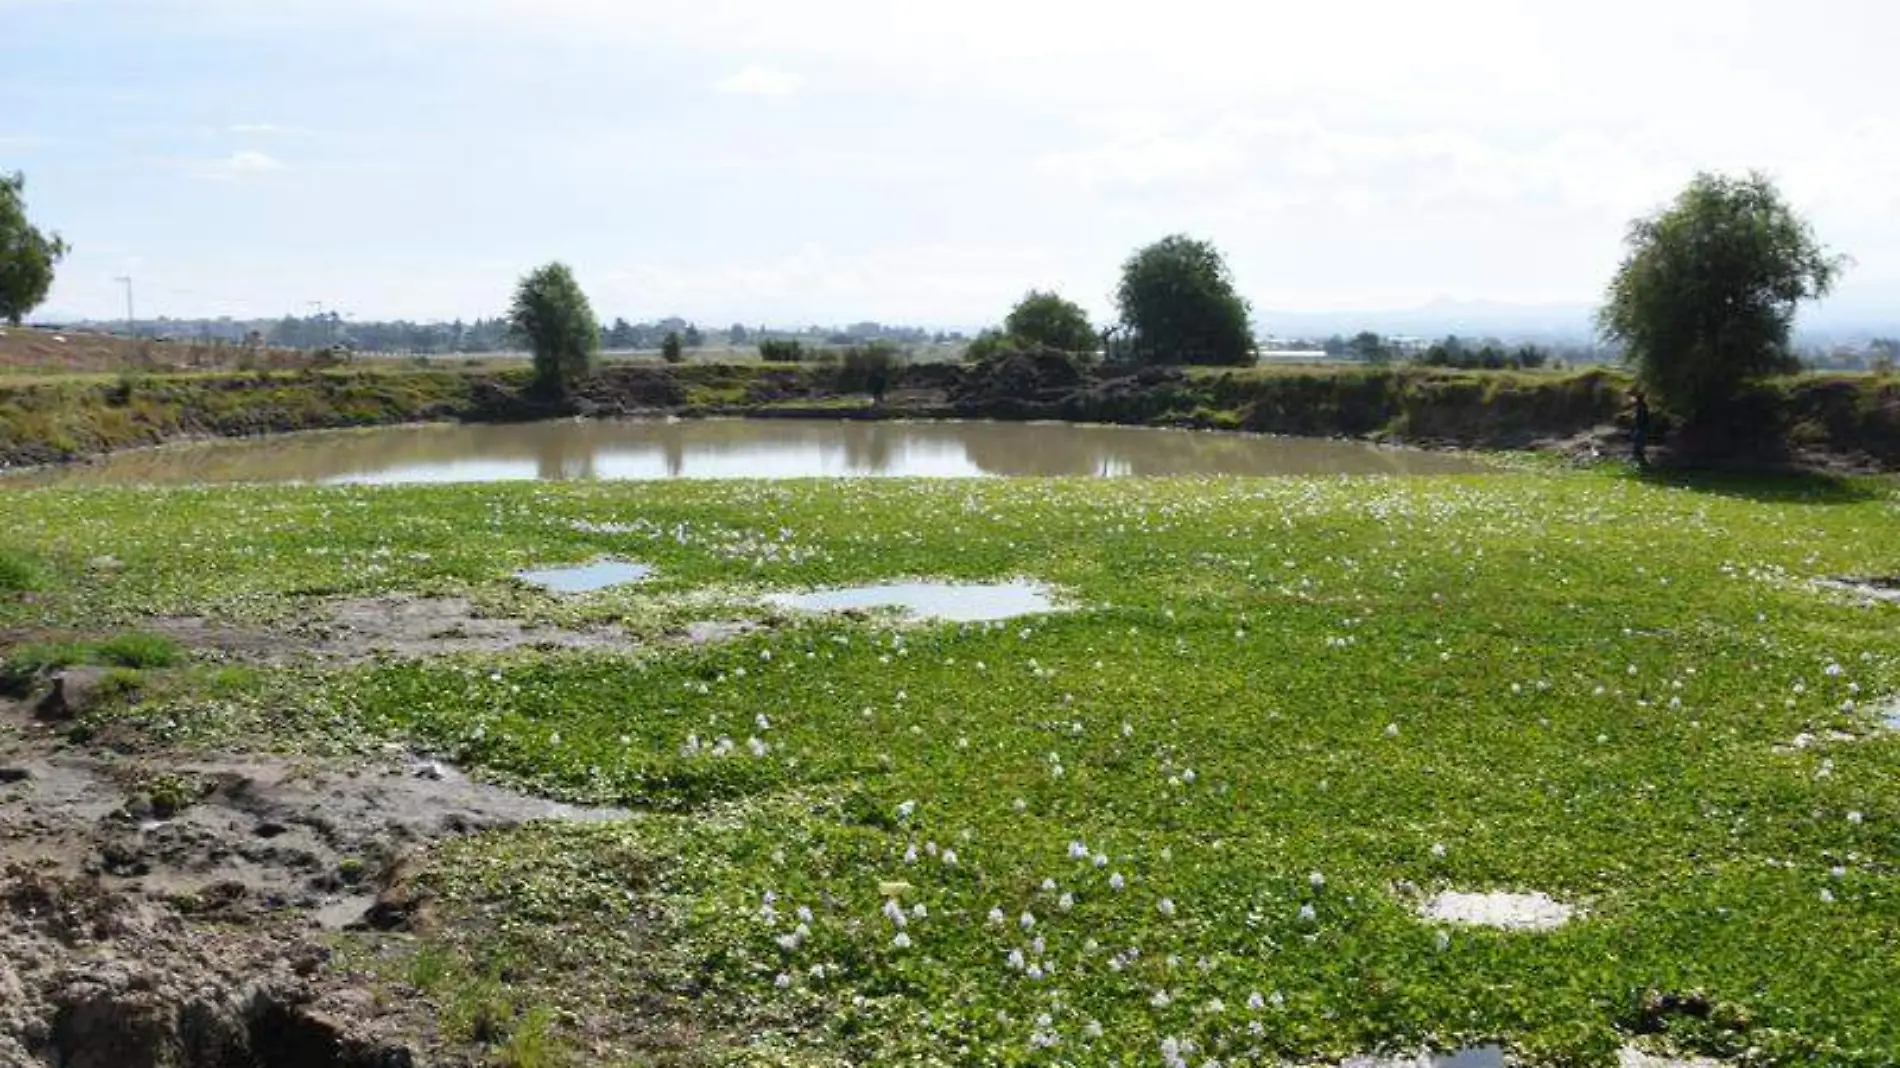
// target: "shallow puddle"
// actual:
[[1879, 588], [586, 578], [956, 602], [1506, 912]]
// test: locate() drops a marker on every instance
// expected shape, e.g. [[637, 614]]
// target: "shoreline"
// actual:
[[1842, 423]]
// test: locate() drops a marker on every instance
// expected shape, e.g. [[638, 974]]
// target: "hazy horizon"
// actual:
[[844, 160]]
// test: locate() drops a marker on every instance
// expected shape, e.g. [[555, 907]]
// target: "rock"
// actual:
[[288, 1033], [9, 776], [403, 904], [115, 1018], [75, 691]]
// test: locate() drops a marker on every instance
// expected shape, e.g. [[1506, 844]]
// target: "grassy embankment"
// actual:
[[1272, 705]]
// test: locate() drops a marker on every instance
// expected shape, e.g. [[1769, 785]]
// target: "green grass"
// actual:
[[17, 573], [1583, 684]]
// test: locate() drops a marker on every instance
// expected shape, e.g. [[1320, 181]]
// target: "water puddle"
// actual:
[[956, 602], [1503, 911], [586, 578], [1879, 588]]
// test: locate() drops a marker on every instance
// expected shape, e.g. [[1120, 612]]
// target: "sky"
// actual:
[[830, 161]]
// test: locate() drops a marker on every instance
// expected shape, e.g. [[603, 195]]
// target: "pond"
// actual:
[[738, 448]]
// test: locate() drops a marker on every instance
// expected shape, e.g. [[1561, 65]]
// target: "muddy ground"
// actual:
[[165, 909]]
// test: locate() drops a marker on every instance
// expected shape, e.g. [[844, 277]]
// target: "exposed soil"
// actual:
[[163, 909], [364, 628]]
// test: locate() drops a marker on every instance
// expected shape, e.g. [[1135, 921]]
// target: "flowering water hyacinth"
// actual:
[[856, 825]]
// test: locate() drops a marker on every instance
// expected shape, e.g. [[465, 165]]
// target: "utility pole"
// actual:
[[131, 323]]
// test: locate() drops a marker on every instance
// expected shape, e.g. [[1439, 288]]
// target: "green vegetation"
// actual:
[[672, 349], [1178, 302], [552, 315], [1048, 321], [1273, 706], [1705, 299], [132, 650], [17, 573], [781, 350], [869, 368], [27, 255]]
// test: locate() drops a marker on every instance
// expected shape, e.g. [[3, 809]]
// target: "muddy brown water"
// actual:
[[736, 448]]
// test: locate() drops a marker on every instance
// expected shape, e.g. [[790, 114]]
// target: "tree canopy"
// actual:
[[1048, 320], [27, 255], [1178, 299], [1707, 292], [552, 316]]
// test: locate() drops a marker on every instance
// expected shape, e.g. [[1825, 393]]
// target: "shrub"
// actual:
[[781, 350], [869, 368]]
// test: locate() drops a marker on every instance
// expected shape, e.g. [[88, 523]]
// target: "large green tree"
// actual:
[[552, 316], [1047, 320], [1707, 292], [27, 255], [1177, 298]]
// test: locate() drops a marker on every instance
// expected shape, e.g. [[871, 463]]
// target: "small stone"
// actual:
[[73, 693]]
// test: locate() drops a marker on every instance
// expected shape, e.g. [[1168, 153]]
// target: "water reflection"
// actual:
[[732, 448], [958, 602], [585, 578]]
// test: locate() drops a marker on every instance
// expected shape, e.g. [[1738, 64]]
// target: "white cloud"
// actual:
[[760, 80], [244, 163]]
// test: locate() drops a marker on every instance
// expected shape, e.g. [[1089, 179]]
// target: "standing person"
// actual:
[[1639, 434]]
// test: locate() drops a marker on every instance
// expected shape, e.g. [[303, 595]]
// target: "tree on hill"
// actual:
[[1177, 298], [27, 255], [1706, 295], [1048, 320], [672, 350], [551, 314], [693, 338]]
